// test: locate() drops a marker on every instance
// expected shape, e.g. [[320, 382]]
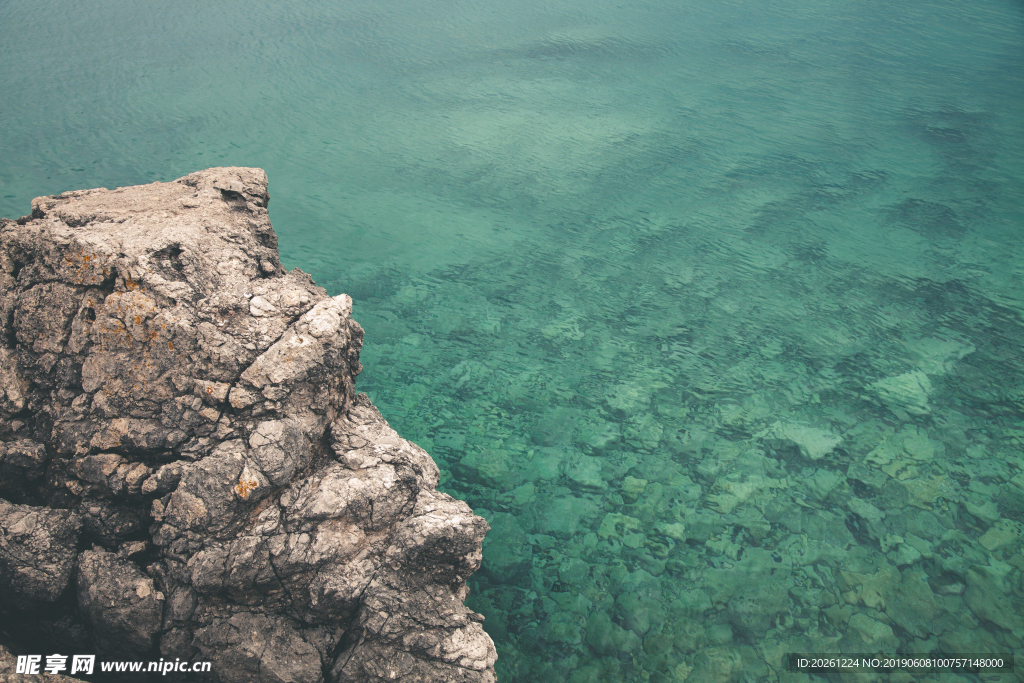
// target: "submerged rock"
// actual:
[[813, 443], [909, 391], [865, 634], [175, 400]]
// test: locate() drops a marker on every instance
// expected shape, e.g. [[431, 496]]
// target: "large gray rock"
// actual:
[[173, 398], [119, 601], [38, 547]]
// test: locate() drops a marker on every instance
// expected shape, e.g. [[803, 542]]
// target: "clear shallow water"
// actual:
[[713, 310]]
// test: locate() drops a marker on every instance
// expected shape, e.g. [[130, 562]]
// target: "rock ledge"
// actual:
[[185, 468]]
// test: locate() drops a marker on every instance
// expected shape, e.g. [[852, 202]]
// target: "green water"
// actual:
[[712, 309]]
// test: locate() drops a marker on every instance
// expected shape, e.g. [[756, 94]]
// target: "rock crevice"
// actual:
[[186, 470]]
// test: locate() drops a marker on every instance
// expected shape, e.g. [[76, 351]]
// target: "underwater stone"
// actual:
[[838, 615], [653, 504], [675, 531], [805, 596], [604, 669], [884, 453], [1003, 533], [609, 638], [803, 551], [894, 496], [545, 465], [658, 646], [938, 356], [689, 634], [918, 445], [720, 635], [616, 526], [723, 546], [701, 523], [627, 400], [685, 489], [524, 494], [751, 519], [632, 488], [821, 483], [916, 609], [909, 391], [988, 595], [873, 478], [982, 507], [1011, 498], [813, 443], [555, 427], [508, 554], [563, 627], [643, 431], [638, 581], [830, 528], [923, 492], [864, 634], [715, 665], [753, 609], [561, 516], [574, 572], [874, 590], [586, 471], [925, 524], [970, 638], [639, 613], [543, 541], [906, 555], [491, 468], [865, 510], [730, 491], [596, 434]]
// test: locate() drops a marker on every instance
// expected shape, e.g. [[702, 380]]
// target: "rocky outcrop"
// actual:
[[185, 467]]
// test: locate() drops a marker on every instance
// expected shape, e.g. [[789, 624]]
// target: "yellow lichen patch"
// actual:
[[247, 483], [244, 487], [83, 268]]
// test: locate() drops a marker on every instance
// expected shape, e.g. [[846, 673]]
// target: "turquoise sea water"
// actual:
[[712, 309]]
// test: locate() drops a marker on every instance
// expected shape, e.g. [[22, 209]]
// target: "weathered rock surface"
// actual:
[[187, 470]]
